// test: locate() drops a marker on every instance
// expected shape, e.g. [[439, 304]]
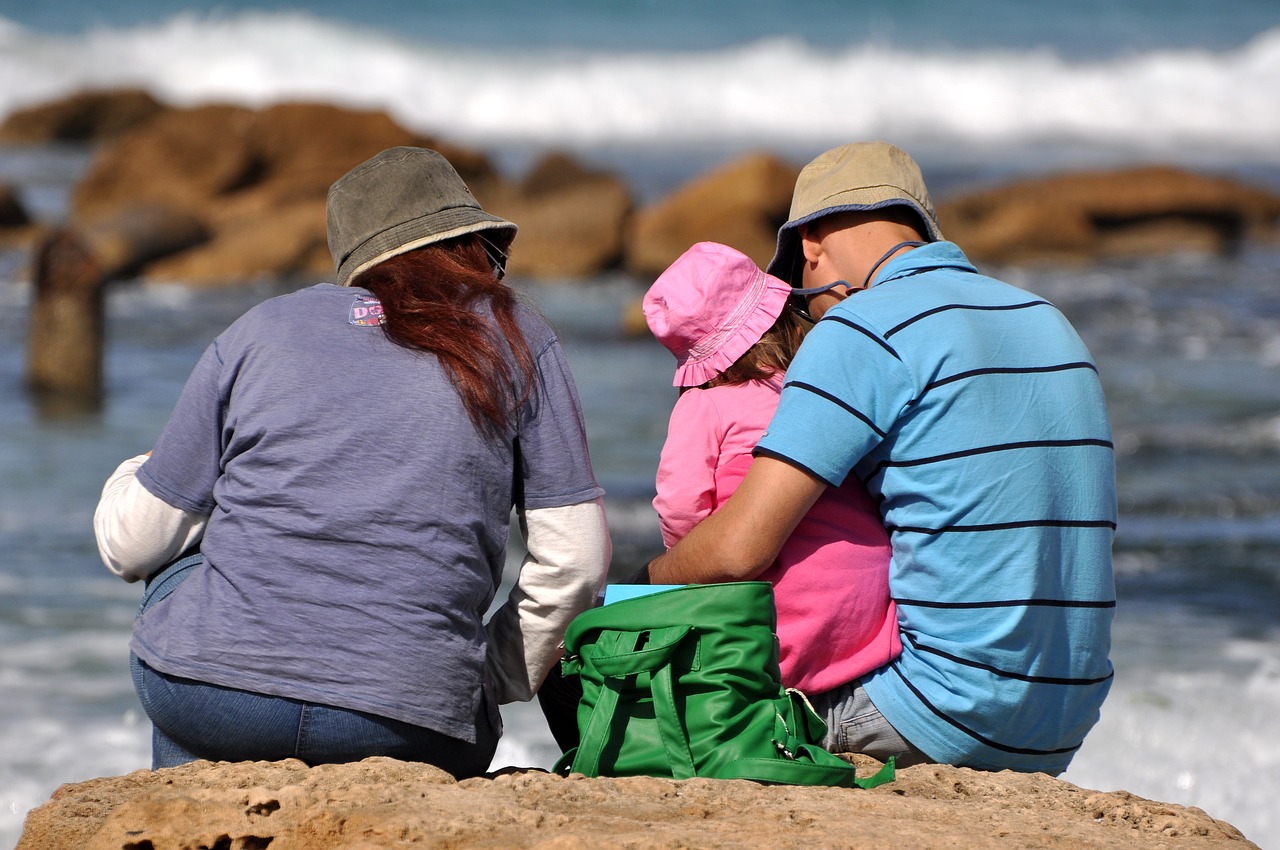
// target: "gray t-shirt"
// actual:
[[358, 519]]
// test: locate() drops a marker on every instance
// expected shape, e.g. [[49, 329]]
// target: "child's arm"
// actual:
[[686, 480]]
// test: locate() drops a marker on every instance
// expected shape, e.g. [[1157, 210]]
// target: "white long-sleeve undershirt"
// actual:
[[568, 557], [137, 532]]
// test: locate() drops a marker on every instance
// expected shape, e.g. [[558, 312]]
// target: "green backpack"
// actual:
[[684, 683]]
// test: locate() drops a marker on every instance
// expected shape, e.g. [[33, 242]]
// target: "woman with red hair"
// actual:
[[323, 522]]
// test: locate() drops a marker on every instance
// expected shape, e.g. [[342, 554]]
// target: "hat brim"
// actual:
[[786, 258], [422, 231], [773, 300]]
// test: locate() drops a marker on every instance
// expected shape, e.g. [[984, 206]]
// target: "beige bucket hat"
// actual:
[[856, 176]]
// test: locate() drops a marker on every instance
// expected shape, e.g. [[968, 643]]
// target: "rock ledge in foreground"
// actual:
[[384, 803]]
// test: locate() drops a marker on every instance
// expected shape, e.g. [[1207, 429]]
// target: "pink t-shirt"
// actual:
[[836, 621]]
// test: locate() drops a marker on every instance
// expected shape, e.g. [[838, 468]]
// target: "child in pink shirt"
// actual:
[[728, 325]]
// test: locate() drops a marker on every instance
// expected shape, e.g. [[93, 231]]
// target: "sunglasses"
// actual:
[[497, 257], [799, 300]]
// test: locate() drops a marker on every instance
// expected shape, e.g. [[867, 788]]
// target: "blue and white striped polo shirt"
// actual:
[[974, 414]]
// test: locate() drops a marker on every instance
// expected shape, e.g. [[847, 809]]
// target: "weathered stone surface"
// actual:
[[383, 803], [293, 245], [87, 116], [571, 219], [129, 239], [255, 179], [211, 154], [1116, 213], [742, 204], [183, 158], [301, 148]]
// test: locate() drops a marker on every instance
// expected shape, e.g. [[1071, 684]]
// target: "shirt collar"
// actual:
[[935, 255]]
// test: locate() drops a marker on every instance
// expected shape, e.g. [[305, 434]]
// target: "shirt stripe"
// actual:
[[1010, 370], [945, 307], [1008, 674], [998, 447], [871, 335], [1008, 603], [1003, 526], [841, 403], [1027, 751]]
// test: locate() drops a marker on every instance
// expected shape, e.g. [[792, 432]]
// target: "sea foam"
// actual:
[[777, 91]]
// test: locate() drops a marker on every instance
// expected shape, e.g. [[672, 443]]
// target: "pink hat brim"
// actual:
[[695, 371]]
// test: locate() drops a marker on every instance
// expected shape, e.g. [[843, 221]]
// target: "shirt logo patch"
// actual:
[[366, 311]]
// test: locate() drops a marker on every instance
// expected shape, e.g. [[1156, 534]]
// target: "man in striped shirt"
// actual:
[[974, 415]]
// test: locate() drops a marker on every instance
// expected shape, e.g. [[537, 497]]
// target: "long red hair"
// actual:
[[431, 299]]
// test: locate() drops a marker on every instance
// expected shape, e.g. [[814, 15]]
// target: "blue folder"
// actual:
[[619, 592]]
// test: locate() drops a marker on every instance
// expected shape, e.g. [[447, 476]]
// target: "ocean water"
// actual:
[[997, 84], [1189, 347]]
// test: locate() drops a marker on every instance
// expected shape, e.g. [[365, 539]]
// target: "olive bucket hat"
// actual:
[[857, 176], [402, 199]]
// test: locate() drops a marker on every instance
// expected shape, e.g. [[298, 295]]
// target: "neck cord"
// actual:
[[815, 290], [887, 254]]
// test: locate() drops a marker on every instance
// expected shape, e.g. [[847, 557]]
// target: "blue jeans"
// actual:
[[197, 720]]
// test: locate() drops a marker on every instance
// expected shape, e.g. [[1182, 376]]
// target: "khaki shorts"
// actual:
[[855, 725]]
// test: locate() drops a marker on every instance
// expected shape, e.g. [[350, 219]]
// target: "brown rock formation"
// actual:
[[289, 241], [206, 158], [254, 183], [571, 219], [1119, 213], [84, 117], [256, 180], [741, 204], [17, 228], [383, 803], [183, 158], [133, 237]]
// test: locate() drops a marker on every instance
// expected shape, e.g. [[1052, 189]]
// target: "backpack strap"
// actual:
[[623, 658], [801, 761], [810, 766], [675, 738]]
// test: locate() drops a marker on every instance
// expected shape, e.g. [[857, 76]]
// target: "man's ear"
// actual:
[[810, 243]]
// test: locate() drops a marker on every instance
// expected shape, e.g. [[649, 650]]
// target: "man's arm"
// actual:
[[741, 540]]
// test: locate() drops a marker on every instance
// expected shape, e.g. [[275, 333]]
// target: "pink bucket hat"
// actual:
[[709, 307]]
